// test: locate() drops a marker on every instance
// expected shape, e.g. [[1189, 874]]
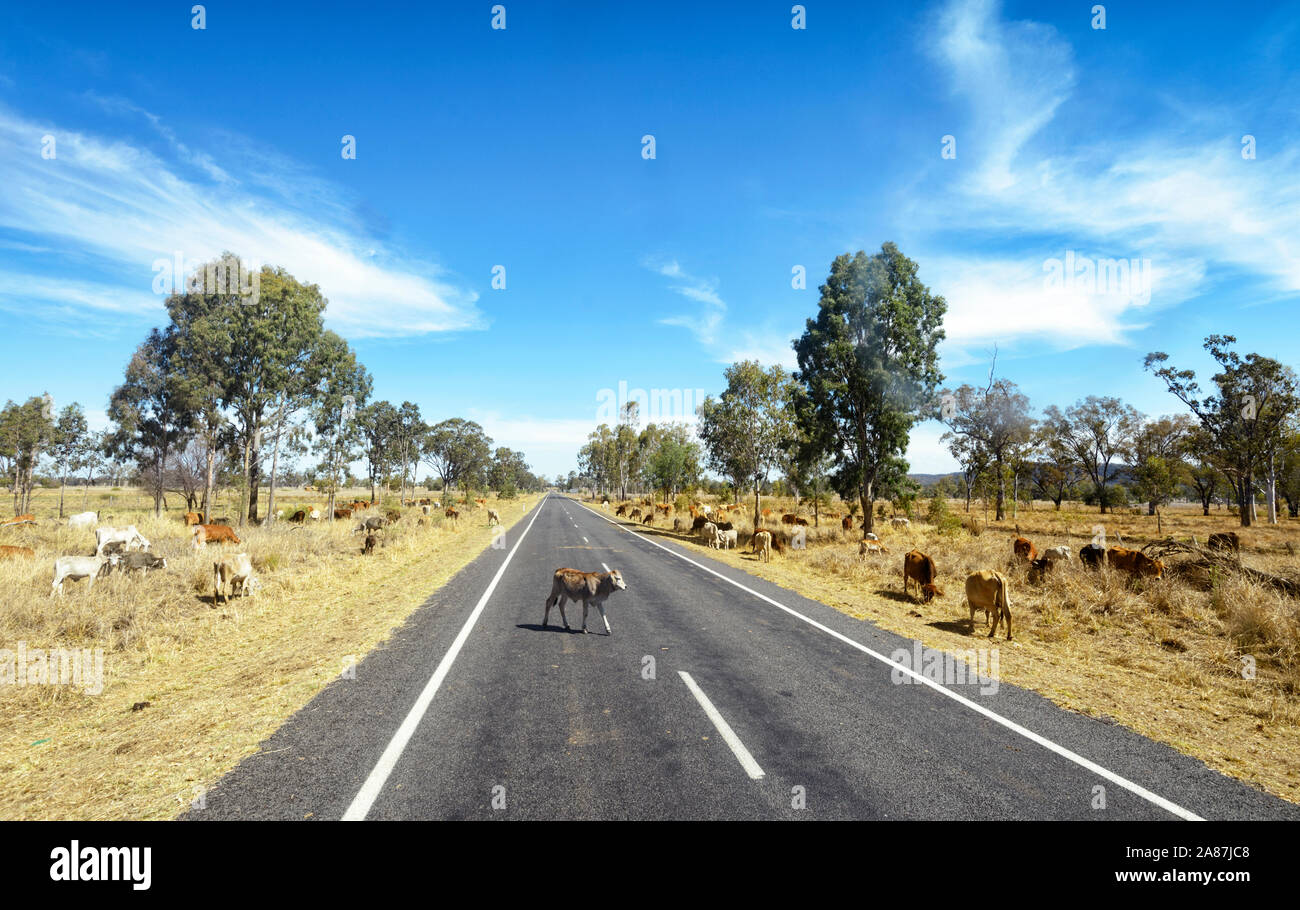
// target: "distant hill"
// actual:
[[926, 479]]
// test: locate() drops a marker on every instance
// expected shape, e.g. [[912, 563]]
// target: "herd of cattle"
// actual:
[[986, 589], [126, 550]]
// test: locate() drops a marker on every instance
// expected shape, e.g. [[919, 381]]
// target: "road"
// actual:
[[760, 704]]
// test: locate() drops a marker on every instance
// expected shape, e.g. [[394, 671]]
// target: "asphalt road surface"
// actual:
[[718, 696]]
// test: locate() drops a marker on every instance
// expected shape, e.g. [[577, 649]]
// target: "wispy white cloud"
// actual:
[[704, 323], [117, 207]]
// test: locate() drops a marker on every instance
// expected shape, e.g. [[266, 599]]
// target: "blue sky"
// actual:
[[775, 147]]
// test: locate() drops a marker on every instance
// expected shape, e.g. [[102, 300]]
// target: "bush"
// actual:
[[938, 514], [508, 491]]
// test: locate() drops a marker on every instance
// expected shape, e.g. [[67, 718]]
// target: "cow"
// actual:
[[78, 567], [342, 513], [83, 520], [8, 552], [699, 522], [1225, 540], [1038, 569], [140, 562], [987, 590], [725, 539], [451, 514], [1135, 562], [205, 534], [801, 521], [767, 513], [761, 544], [870, 535], [393, 516], [710, 533], [635, 514], [368, 547], [371, 524], [426, 509], [920, 568], [847, 523], [493, 518], [298, 517], [313, 513], [231, 575], [1058, 554], [789, 518], [1092, 555], [589, 587], [620, 511], [192, 518], [870, 548], [649, 518], [1024, 549], [724, 525], [128, 535], [678, 524], [900, 523], [19, 520], [666, 509]]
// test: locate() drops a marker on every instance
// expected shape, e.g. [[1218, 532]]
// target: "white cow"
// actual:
[[83, 520], [725, 540], [710, 532], [129, 536], [901, 523], [1058, 554], [78, 567], [233, 575]]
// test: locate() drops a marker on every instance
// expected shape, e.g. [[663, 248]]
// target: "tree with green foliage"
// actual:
[[994, 422], [344, 387], [68, 444], [459, 451], [869, 365], [1096, 431]]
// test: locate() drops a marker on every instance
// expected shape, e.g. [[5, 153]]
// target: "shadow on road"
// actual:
[[552, 627]]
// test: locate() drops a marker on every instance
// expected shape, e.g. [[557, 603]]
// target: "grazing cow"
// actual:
[[920, 568], [368, 547], [493, 518], [665, 509], [371, 524], [870, 535], [789, 519], [83, 520], [8, 552], [725, 538], [298, 517], [1135, 562], [1039, 568], [987, 590], [313, 513], [636, 513], [901, 522], [205, 534], [393, 516], [699, 522], [78, 567], [801, 521], [761, 543], [128, 535], [1023, 548], [231, 575], [1058, 554], [847, 523], [140, 562], [451, 513], [678, 524], [870, 548], [724, 525], [1092, 555], [1225, 540], [342, 513], [192, 518], [649, 518], [427, 510], [588, 587], [620, 511], [710, 533]]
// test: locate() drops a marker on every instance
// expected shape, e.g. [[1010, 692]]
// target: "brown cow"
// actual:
[[988, 591], [589, 587], [298, 517], [1023, 548], [1135, 562], [342, 513], [847, 523], [205, 534], [451, 513], [789, 519], [8, 552], [19, 520], [649, 517], [193, 518], [1225, 540], [920, 568], [1092, 555]]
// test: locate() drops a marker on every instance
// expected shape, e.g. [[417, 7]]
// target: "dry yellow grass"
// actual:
[[1161, 656], [218, 679]]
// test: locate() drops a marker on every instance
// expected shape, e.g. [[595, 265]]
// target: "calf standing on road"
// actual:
[[588, 587]]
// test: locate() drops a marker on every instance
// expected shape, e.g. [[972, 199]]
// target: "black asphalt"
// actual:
[[544, 724]]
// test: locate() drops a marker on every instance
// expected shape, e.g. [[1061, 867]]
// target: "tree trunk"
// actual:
[[275, 468], [63, 482], [866, 499], [1002, 493], [255, 485], [757, 511], [209, 479], [1270, 486], [243, 496], [1245, 500]]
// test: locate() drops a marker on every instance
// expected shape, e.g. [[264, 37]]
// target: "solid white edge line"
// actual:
[[374, 784], [728, 735], [1138, 789]]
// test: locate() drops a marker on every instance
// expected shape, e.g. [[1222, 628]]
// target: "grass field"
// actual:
[[1164, 656], [217, 678]]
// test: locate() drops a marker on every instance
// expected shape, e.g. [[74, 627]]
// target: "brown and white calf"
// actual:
[[592, 588]]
